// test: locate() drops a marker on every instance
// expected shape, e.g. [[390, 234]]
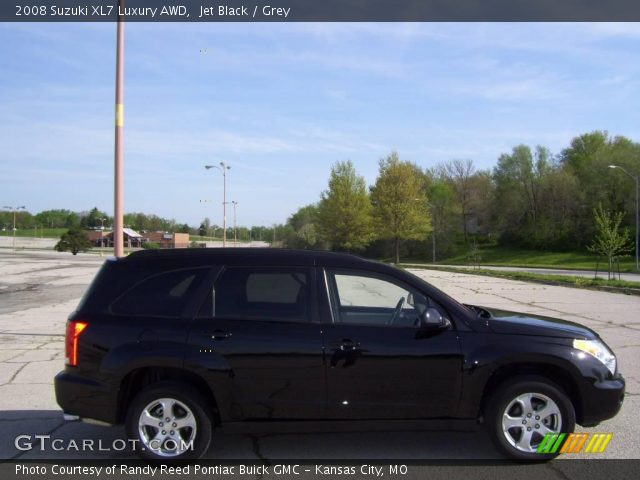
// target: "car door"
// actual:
[[381, 363], [259, 341]]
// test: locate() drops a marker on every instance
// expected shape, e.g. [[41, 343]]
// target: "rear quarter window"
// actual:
[[162, 295]]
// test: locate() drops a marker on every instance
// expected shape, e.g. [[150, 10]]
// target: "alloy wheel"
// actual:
[[167, 427], [528, 418]]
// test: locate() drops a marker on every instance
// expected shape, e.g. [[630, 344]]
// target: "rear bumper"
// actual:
[[85, 398], [602, 400]]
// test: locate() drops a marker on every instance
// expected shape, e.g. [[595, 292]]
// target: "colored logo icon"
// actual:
[[574, 443]]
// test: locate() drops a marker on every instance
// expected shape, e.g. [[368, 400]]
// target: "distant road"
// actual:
[[629, 277], [27, 242], [49, 243]]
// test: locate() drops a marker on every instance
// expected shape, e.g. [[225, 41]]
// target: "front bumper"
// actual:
[[602, 400]]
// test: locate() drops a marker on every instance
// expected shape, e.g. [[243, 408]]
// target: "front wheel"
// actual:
[[169, 421], [520, 415]]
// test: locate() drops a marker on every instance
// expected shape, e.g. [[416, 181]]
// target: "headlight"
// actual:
[[598, 350]]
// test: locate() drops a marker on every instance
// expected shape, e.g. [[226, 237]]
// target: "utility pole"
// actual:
[[223, 168], [118, 233], [102, 235]]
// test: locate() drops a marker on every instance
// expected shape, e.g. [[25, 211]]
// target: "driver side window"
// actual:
[[359, 298]]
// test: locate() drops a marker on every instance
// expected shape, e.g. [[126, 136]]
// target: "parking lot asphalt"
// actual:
[[39, 289]]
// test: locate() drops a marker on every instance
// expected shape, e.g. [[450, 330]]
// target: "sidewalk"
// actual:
[[629, 277]]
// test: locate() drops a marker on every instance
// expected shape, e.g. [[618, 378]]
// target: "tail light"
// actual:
[[74, 329]]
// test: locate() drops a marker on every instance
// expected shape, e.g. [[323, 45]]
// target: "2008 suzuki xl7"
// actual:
[[173, 343]]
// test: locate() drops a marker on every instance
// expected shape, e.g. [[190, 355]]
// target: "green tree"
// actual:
[[588, 159], [610, 241], [184, 228], [445, 212], [344, 212], [94, 219], [399, 197], [460, 173], [583, 149], [57, 218], [205, 227], [519, 202], [72, 220], [303, 231], [473, 194], [74, 240]]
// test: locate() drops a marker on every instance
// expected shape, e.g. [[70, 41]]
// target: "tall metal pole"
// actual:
[[14, 230], [224, 206], [235, 229], [15, 211], [118, 233], [223, 168], [102, 235]]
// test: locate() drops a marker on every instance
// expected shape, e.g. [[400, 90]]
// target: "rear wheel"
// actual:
[[520, 414], [169, 421]]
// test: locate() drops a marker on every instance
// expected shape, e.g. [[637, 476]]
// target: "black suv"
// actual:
[[173, 343]]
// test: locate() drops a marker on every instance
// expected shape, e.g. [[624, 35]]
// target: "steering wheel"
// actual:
[[397, 311]]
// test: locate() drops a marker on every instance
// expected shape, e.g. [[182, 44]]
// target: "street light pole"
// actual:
[[637, 179], [15, 210], [102, 235], [235, 229], [223, 168]]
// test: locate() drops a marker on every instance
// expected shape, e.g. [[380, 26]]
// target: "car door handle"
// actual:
[[347, 345], [220, 335]]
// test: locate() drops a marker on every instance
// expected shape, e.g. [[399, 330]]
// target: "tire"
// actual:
[[522, 411], [187, 434]]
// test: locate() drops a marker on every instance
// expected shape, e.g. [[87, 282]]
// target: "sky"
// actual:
[[281, 103]]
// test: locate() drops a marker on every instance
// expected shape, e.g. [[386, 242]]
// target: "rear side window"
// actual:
[[163, 295], [263, 293]]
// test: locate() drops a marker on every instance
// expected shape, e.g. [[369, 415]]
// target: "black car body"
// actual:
[[256, 334]]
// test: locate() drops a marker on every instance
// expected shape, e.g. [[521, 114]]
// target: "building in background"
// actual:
[[168, 240]]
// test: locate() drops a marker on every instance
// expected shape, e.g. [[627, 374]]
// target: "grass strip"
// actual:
[[615, 286]]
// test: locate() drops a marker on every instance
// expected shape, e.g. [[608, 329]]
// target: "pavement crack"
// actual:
[[16, 373], [558, 471], [22, 352], [255, 447], [53, 357]]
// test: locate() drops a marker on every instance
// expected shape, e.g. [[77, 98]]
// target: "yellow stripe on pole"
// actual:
[[119, 115], [606, 442]]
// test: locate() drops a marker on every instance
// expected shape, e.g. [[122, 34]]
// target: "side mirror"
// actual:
[[432, 319]]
